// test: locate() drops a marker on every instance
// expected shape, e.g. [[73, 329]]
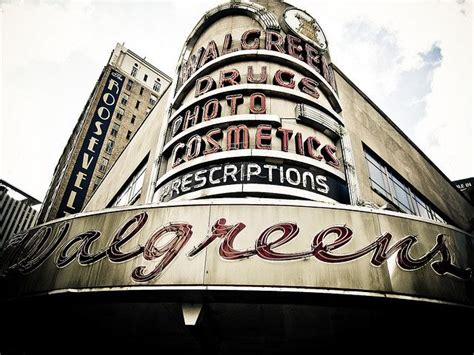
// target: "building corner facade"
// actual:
[[265, 205]]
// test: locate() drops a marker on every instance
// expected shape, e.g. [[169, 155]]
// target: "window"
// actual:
[[141, 91], [110, 146], [119, 113], [129, 85], [401, 195], [137, 105], [115, 129], [145, 77], [157, 85], [130, 192], [147, 111], [422, 209], [391, 186], [123, 199], [134, 70], [378, 177], [103, 165], [437, 217], [129, 134], [97, 182], [124, 99], [133, 119], [153, 100]]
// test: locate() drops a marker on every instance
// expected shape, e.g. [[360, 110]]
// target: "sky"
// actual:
[[414, 59]]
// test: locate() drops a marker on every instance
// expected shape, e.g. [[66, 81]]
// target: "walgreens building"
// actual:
[[265, 205]]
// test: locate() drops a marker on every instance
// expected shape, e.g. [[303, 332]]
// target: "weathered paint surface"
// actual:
[[308, 246]]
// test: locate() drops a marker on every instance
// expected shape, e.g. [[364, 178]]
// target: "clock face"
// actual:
[[306, 27]]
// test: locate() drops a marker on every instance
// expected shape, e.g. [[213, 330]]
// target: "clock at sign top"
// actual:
[[305, 26]]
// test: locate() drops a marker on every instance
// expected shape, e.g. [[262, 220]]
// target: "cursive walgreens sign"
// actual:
[[154, 252]]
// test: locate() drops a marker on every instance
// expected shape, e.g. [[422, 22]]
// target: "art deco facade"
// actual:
[[127, 90], [266, 205]]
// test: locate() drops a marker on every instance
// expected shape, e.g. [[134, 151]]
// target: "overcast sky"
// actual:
[[414, 59]]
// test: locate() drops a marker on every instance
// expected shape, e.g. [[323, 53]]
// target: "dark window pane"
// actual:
[[437, 217], [401, 195], [422, 208], [377, 178], [398, 191], [373, 161]]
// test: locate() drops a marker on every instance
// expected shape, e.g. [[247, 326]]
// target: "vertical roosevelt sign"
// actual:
[[88, 155]]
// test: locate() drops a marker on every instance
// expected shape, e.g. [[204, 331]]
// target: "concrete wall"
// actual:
[[367, 125]]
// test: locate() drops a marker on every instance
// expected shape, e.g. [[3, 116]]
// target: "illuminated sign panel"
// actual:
[[81, 175], [200, 129], [252, 40], [239, 95], [263, 137], [225, 174], [314, 247]]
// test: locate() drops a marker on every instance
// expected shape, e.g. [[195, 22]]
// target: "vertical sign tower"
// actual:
[[255, 111], [82, 173]]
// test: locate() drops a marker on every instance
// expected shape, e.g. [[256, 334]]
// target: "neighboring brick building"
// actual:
[[126, 91]]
